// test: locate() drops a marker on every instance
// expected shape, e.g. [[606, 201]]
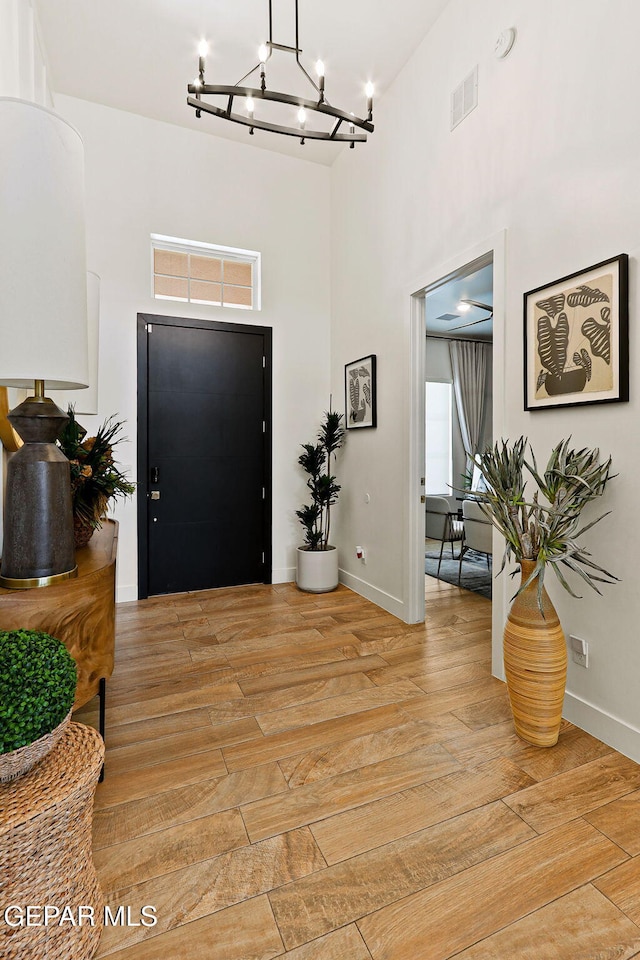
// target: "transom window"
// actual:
[[205, 273]]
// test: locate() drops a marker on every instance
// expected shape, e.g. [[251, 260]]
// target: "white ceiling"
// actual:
[[139, 55], [445, 299]]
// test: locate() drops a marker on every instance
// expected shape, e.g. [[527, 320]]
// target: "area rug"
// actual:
[[475, 575]]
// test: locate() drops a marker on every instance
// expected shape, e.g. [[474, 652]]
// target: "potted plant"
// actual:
[[541, 534], [317, 560], [95, 478], [37, 690]]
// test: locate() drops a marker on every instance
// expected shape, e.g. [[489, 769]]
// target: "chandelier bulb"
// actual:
[[203, 48], [302, 116], [263, 53], [250, 105], [369, 90], [320, 68]]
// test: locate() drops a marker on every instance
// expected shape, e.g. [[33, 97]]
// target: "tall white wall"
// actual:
[[550, 155], [145, 177]]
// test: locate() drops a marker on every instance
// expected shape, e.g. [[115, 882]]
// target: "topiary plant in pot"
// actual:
[[317, 560], [37, 690]]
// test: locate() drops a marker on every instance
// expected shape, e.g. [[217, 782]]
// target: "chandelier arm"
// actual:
[[273, 95], [253, 70], [315, 86], [276, 128]]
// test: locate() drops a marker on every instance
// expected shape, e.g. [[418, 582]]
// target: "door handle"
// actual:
[[155, 475]]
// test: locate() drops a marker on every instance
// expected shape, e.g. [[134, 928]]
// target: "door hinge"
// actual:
[[149, 327], [264, 494], [264, 362], [264, 426], [263, 556]]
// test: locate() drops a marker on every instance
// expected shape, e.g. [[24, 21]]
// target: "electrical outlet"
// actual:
[[579, 651]]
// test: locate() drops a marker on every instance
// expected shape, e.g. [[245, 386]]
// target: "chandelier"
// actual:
[[347, 127]]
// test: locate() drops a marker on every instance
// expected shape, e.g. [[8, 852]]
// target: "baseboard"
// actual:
[[612, 730], [369, 592], [126, 593], [283, 575]]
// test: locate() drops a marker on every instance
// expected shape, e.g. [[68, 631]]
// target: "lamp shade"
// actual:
[[43, 273], [86, 401]]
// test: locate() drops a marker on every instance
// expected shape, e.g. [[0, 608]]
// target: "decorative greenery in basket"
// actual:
[[37, 688], [95, 478], [546, 533], [316, 462]]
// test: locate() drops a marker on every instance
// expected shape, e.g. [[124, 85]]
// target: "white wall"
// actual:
[[145, 177], [551, 155]]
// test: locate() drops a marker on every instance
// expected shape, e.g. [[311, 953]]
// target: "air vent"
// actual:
[[448, 316], [464, 98]]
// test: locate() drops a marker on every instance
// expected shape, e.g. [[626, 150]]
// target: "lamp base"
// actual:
[[38, 544], [15, 583]]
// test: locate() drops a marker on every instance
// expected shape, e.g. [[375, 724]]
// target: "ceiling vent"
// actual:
[[449, 316], [464, 98]]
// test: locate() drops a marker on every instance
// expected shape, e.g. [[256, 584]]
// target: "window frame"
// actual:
[[212, 251]]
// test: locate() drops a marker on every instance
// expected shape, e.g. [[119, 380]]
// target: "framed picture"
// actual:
[[360, 393], [576, 340]]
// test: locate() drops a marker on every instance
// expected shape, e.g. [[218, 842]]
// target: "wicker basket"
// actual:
[[20, 761]]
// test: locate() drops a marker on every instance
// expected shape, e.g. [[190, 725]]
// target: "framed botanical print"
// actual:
[[576, 341], [360, 393]]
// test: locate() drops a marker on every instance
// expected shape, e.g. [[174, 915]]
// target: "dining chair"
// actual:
[[477, 533], [441, 524]]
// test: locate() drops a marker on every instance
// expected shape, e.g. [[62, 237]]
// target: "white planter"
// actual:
[[317, 570]]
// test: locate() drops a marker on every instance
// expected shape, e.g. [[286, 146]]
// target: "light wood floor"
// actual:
[[307, 777]]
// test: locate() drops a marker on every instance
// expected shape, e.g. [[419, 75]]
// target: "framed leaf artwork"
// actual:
[[360, 393], [576, 339]]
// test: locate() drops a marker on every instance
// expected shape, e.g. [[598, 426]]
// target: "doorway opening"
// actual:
[[487, 254], [458, 424], [204, 454]]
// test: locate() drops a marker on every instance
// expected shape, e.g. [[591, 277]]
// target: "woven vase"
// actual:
[[535, 663]]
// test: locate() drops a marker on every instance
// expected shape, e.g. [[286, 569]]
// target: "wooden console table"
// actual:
[[80, 612]]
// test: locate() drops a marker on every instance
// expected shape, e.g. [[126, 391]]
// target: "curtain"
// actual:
[[469, 360]]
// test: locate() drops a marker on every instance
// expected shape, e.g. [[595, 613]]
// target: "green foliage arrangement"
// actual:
[[95, 478], [546, 532], [316, 462], [37, 686]]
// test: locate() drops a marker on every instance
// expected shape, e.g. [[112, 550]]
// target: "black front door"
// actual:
[[204, 512]]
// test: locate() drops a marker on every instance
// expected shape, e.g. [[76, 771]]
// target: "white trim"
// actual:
[[614, 731], [283, 575], [414, 588], [127, 593], [492, 249], [393, 605]]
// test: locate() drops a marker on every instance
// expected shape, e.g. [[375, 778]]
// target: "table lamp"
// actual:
[[43, 331], [85, 402]]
